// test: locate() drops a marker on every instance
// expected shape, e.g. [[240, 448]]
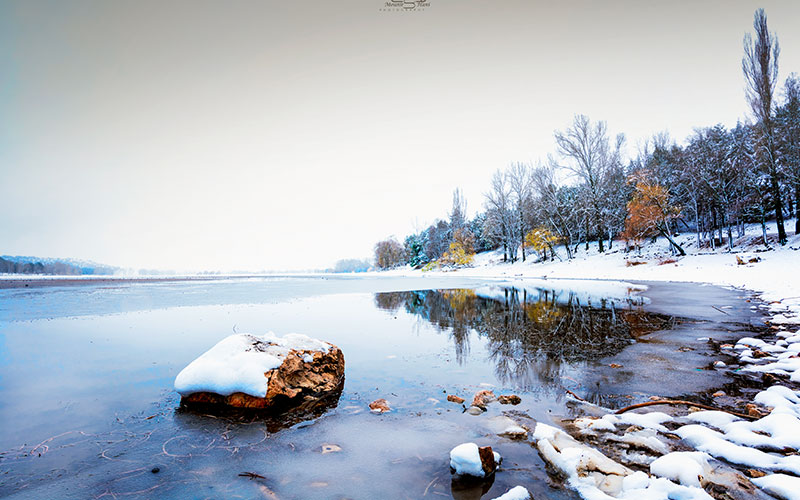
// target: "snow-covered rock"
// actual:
[[468, 459], [248, 371], [515, 493], [595, 476], [683, 467], [780, 485]]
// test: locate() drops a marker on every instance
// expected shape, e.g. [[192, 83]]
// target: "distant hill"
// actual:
[[63, 267]]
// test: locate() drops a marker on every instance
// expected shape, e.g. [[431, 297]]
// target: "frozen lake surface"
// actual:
[[88, 411]]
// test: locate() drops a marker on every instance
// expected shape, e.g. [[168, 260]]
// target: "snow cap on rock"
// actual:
[[238, 363]]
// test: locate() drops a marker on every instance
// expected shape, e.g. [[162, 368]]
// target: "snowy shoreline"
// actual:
[[762, 444]]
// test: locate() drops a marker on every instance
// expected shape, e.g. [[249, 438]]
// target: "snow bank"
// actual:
[[237, 363]]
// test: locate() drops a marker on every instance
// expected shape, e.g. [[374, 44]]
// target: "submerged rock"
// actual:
[[455, 399], [504, 426], [379, 406], [269, 372]]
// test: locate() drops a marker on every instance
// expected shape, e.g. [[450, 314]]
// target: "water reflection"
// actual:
[[192, 415], [531, 334]]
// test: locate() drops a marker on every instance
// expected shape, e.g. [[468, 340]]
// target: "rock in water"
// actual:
[[488, 461], [379, 406], [483, 398], [509, 399], [269, 372], [470, 460]]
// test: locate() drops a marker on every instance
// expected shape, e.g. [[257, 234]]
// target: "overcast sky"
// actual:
[[287, 135]]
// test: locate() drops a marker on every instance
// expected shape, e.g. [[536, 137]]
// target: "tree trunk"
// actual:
[[711, 241], [776, 194], [773, 180], [587, 233], [730, 237], [697, 225], [797, 206], [673, 244], [599, 232]]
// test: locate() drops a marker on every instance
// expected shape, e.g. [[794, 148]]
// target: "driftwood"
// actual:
[[576, 396], [671, 402], [679, 402]]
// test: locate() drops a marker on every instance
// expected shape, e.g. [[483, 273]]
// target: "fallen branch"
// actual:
[[720, 310], [575, 396], [251, 475], [680, 402]]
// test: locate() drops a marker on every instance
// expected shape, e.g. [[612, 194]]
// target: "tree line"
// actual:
[[714, 183]]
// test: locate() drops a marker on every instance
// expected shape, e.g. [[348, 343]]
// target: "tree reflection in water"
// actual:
[[531, 334]]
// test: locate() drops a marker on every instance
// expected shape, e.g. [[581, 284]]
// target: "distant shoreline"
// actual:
[[7, 282]]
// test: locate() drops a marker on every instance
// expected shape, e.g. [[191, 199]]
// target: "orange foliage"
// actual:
[[649, 210]]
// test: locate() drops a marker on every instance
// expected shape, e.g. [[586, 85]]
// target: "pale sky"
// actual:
[[210, 135]]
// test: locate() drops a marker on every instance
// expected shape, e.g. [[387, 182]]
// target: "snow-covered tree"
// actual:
[[557, 206], [500, 216], [519, 182], [388, 253], [590, 155], [788, 123]]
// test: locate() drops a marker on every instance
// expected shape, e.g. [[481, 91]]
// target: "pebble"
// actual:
[[379, 406], [483, 398], [509, 399], [475, 410]]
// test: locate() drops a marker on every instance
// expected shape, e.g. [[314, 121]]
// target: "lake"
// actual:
[[88, 410]]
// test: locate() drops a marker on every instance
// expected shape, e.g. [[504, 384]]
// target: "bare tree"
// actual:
[[458, 214], [519, 181], [500, 216], [591, 157], [388, 253], [555, 205], [760, 67]]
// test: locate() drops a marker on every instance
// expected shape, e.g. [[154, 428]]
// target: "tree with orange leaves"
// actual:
[[650, 211]]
